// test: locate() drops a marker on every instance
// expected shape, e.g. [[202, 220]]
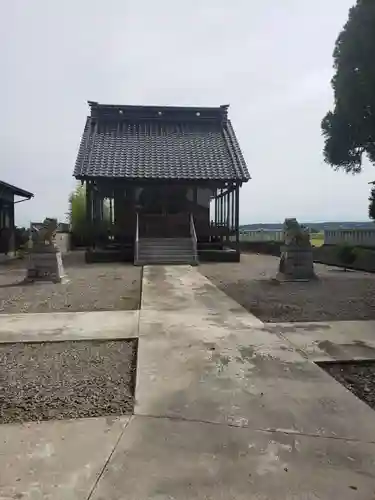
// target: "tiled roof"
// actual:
[[151, 142]]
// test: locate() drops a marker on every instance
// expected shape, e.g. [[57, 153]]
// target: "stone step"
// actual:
[[168, 250], [181, 255], [165, 251], [166, 257], [165, 241], [166, 262], [157, 245]]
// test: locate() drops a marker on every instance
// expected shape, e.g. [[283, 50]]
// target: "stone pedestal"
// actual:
[[45, 264], [296, 264]]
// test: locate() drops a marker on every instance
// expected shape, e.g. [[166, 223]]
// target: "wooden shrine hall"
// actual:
[[8, 193], [162, 184]]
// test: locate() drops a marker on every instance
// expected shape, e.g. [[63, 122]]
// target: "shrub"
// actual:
[[21, 252], [346, 255], [21, 237]]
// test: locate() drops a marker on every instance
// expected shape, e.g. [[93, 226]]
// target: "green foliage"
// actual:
[[346, 255], [349, 130], [21, 237], [371, 208], [77, 210], [77, 213], [317, 239]]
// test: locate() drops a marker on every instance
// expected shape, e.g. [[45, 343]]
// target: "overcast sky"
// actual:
[[271, 60]]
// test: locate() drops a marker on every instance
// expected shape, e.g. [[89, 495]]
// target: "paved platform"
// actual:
[[162, 459], [226, 408], [334, 340], [39, 327], [56, 460], [224, 367]]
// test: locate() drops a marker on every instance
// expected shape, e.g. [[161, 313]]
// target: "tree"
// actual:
[[371, 208], [77, 209], [349, 130], [346, 255]]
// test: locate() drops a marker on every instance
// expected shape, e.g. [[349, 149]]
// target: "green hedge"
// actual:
[[326, 254]]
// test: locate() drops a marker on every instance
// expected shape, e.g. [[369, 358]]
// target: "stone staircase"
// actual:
[[166, 251]]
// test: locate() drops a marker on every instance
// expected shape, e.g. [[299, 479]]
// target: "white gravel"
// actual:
[[337, 295], [91, 287], [70, 379]]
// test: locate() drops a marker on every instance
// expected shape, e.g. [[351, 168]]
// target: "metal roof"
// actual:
[[15, 190], [160, 142]]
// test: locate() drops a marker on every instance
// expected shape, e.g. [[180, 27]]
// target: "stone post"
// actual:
[[296, 260], [44, 259]]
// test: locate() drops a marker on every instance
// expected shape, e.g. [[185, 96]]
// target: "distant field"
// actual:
[[317, 240]]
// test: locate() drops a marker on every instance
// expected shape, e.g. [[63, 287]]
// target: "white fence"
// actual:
[[261, 235], [355, 237]]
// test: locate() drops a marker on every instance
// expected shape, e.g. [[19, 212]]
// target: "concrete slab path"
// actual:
[[226, 408], [56, 460], [39, 327], [166, 459], [334, 340], [224, 367]]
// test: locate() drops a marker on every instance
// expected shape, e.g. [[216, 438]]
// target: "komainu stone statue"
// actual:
[[45, 262], [296, 260], [43, 235]]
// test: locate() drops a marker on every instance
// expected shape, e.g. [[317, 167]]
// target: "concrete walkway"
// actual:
[[330, 341], [226, 408], [42, 327]]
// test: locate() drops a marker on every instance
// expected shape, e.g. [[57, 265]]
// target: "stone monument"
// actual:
[[296, 260], [44, 259]]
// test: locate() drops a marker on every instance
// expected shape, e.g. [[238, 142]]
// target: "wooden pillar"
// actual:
[[237, 218], [227, 196], [224, 207], [12, 235], [89, 224], [233, 208], [216, 206], [111, 210], [221, 207], [118, 204], [101, 208], [94, 206]]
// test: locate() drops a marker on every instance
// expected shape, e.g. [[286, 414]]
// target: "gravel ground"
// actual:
[[357, 377], [91, 287], [337, 295], [70, 379]]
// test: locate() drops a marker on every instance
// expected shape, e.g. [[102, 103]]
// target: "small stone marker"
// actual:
[[44, 259], [296, 260]]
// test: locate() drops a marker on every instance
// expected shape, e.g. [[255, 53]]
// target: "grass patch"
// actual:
[[317, 240]]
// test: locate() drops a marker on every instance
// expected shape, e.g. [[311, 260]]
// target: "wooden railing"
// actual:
[[220, 230], [136, 249], [193, 235]]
